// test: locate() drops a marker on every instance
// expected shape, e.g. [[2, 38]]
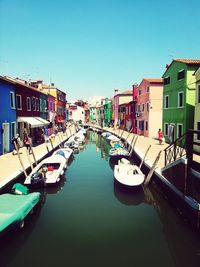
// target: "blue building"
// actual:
[[7, 114]]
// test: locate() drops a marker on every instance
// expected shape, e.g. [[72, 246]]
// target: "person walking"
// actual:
[[160, 136], [16, 141], [27, 143]]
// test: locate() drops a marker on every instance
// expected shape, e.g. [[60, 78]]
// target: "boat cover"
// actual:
[[14, 208]]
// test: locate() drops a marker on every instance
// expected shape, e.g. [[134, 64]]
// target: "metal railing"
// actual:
[[183, 146]]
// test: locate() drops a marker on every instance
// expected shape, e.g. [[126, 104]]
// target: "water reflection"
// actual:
[[128, 196]]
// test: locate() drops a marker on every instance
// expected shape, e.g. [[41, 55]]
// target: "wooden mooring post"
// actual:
[[20, 159], [144, 156], [29, 159], [148, 177], [33, 156]]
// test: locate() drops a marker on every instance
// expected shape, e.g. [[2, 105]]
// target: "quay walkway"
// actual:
[[10, 167]]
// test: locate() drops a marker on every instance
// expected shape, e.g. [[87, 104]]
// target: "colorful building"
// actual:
[[76, 113], [197, 109], [7, 114], [107, 112], [130, 116], [149, 107], [179, 97], [119, 99]]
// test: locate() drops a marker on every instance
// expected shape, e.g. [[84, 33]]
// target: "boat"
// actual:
[[14, 209], [106, 134], [65, 152], [48, 171], [113, 138], [128, 174], [119, 151]]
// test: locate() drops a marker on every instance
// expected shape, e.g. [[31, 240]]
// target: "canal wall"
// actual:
[[10, 167], [186, 206]]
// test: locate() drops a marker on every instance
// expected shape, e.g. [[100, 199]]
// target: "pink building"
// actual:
[[149, 107]]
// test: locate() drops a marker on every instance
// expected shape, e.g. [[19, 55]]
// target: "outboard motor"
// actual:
[[37, 178]]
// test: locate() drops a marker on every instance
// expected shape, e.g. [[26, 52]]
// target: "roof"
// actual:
[[188, 61], [183, 60], [154, 80], [126, 92], [19, 82]]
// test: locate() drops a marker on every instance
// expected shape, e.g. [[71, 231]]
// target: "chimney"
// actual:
[[116, 91]]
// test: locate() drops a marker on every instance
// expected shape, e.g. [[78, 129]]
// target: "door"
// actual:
[[6, 139]]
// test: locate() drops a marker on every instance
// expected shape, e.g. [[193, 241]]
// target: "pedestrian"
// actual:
[[16, 141], [160, 136], [27, 143]]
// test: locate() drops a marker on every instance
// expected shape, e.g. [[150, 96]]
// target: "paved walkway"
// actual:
[[10, 166]]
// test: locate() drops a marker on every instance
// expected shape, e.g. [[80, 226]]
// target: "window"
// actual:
[[198, 129], [166, 103], [181, 75], [147, 89], [180, 99], [12, 100], [13, 129], [179, 130], [40, 104], [140, 92], [147, 106], [37, 103], [28, 104], [142, 107], [198, 94], [141, 125], [146, 126], [166, 80], [19, 101], [33, 104], [166, 129]]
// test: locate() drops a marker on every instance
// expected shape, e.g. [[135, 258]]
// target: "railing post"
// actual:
[[189, 155], [174, 151]]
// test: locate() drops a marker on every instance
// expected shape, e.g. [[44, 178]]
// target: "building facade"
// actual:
[[7, 115], [179, 97], [149, 107]]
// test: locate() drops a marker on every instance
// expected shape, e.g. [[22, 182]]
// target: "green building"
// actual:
[[107, 112], [179, 97]]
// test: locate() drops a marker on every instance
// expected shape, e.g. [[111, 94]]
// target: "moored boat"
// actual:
[[65, 152], [128, 174], [14, 209], [48, 171]]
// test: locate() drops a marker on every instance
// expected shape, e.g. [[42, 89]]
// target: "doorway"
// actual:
[[6, 143]]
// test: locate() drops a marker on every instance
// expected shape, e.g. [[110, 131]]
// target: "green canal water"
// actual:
[[89, 221]]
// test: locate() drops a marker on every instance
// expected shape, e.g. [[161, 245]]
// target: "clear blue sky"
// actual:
[[91, 47]]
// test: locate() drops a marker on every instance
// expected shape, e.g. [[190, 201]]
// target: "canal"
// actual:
[[89, 221]]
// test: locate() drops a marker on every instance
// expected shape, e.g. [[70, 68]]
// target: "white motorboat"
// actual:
[[106, 134], [128, 174], [118, 151], [48, 171], [65, 152], [80, 138], [69, 141], [113, 138]]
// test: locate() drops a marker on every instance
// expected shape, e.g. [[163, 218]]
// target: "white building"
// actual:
[[76, 113]]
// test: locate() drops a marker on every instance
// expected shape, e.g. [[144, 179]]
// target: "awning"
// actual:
[[45, 122], [33, 121]]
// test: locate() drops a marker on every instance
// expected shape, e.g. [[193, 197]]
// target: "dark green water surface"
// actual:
[[89, 221]]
